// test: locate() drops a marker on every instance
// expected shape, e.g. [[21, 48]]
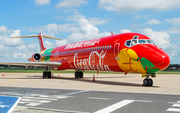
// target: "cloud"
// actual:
[[20, 56], [97, 21], [61, 43], [22, 48], [42, 2], [142, 16], [76, 17], [161, 39], [174, 30], [174, 21], [52, 29], [33, 47], [125, 31], [4, 29], [153, 21], [48, 44], [138, 5], [6, 41], [87, 31], [70, 3]]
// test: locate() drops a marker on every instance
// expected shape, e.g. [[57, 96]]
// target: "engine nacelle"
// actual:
[[37, 57]]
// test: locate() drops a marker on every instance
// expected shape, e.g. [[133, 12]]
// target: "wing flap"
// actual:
[[43, 64]]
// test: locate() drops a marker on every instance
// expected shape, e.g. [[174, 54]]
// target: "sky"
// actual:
[[79, 20]]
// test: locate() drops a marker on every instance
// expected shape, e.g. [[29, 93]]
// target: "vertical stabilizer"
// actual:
[[40, 38]]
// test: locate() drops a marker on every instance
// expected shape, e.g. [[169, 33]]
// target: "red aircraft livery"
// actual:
[[127, 52]]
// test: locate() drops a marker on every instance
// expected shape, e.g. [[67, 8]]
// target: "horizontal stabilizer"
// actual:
[[43, 64], [31, 36]]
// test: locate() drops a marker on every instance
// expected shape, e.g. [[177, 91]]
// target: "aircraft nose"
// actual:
[[161, 59]]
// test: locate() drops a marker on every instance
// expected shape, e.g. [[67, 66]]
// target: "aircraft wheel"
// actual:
[[145, 82], [81, 74], [150, 82], [49, 74], [44, 74], [76, 74]]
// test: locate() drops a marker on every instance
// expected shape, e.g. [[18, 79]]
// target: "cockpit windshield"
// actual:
[[135, 41]]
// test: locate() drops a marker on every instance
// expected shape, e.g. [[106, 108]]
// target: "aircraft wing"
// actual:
[[43, 64]]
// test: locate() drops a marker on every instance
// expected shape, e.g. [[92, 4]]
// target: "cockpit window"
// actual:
[[128, 42], [142, 41], [149, 41], [135, 41], [135, 37], [152, 42]]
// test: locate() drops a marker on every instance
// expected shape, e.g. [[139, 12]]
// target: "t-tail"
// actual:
[[40, 38]]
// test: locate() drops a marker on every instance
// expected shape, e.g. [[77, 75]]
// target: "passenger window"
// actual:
[[142, 41], [110, 46]]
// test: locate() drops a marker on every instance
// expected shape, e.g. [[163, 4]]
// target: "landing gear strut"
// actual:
[[147, 81], [78, 74], [47, 73]]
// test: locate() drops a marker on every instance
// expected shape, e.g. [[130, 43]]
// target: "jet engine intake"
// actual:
[[37, 57]]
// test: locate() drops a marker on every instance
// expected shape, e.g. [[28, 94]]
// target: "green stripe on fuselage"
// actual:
[[47, 54]]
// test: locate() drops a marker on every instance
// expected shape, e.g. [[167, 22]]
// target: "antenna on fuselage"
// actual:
[[111, 33]]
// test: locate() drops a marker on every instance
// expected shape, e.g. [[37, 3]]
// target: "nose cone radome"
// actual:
[[161, 59], [152, 57]]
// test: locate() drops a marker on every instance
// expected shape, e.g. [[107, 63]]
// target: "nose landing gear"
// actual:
[[148, 81]]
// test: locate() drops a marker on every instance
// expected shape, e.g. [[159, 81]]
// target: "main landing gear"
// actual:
[[148, 81], [47, 73], [78, 74]]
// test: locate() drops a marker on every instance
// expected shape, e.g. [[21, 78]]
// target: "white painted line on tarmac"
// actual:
[[173, 110], [41, 98], [45, 101], [115, 106], [62, 97], [25, 100], [176, 105], [143, 101], [57, 110], [73, 93], [14, 105], [33, 104], [97, 98]]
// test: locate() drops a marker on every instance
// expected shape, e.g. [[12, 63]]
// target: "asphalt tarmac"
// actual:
[[108, 93]]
